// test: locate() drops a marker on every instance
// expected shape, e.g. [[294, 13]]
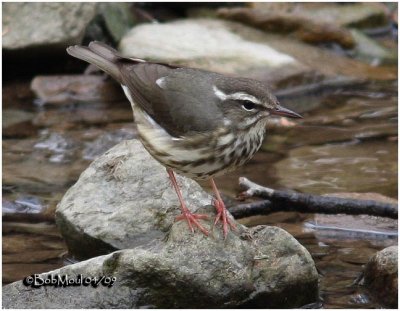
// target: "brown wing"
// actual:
[[185, 101], [182, 103]]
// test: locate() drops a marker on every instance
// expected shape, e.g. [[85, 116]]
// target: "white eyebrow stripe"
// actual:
[[221, 95], [244, 96], [235, 96]]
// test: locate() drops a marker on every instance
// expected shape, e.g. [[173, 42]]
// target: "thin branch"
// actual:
[[278, 201]]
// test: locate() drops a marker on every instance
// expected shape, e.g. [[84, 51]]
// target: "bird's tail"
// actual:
[[100, 55]]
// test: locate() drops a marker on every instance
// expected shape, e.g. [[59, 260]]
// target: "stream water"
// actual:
[[347, 142]]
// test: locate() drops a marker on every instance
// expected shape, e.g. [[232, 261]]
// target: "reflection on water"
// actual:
[[346, 143], [354, 166]]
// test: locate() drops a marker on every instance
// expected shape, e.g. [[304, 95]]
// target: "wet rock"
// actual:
[[360, 15], [214, 45], [328, 63], [24, 204], [117, 17], [371, 51], [381, 275], [45, 25], [69, 89], [17, 123], [305, 28], [22, 130], [235, 49], [35, 169], [82, 115], [16, 272], [264, 268], [316, 23], [104, 142], [16, 94], [39, 228], [14, 116], [378, 231], [131, 193], [60, 147]]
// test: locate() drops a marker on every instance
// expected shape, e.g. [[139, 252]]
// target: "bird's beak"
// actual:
[[282, 111]]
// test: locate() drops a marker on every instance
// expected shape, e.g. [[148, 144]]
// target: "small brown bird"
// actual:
[[198, 123]]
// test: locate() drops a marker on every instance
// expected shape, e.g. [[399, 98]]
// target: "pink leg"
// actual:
[[186, 214], [221, 211]]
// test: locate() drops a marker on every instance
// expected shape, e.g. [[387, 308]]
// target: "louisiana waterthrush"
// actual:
[[197, 123]]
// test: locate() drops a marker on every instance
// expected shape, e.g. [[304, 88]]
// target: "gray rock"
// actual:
[[124, 201], [371, 51], [304, 27], [361, 15], [381, 275], [64, 89], [38, 25], [214, 45], [235, 49], [131, 193], [14, 116], [263, 267], [117, 18]]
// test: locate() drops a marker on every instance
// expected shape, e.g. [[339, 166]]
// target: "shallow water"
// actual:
[[347, 142]]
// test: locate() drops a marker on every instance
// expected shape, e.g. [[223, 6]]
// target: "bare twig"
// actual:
[[278, 201]]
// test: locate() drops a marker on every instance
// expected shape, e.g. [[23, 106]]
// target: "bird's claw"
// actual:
[[192, 220], [223, 217]]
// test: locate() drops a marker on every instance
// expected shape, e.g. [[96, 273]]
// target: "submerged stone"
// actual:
[[381, 276]]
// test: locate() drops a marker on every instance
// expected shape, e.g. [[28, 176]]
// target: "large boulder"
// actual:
[[262, 267], [45, 24], [124, 203], [211, 44], [235, 49]]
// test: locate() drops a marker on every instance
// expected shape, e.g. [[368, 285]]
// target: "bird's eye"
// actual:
[[248, 105]]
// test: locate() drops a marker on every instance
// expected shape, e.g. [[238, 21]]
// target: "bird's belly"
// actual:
[[199, 157]]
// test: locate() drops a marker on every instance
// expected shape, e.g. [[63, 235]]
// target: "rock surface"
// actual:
[[371, 51], [361, 15], [38, 25], [64, 89], [263, 267], [305, 28], [211, 44], [124, 200], [131, 193], [381, 275], [235, 49], [118, 18]]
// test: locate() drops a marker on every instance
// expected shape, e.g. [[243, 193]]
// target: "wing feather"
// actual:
[[183, 105]]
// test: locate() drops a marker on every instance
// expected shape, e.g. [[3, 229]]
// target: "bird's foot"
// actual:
[[192, 220], [223, 217]]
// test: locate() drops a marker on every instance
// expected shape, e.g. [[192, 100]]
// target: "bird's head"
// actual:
[[246, 102]]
